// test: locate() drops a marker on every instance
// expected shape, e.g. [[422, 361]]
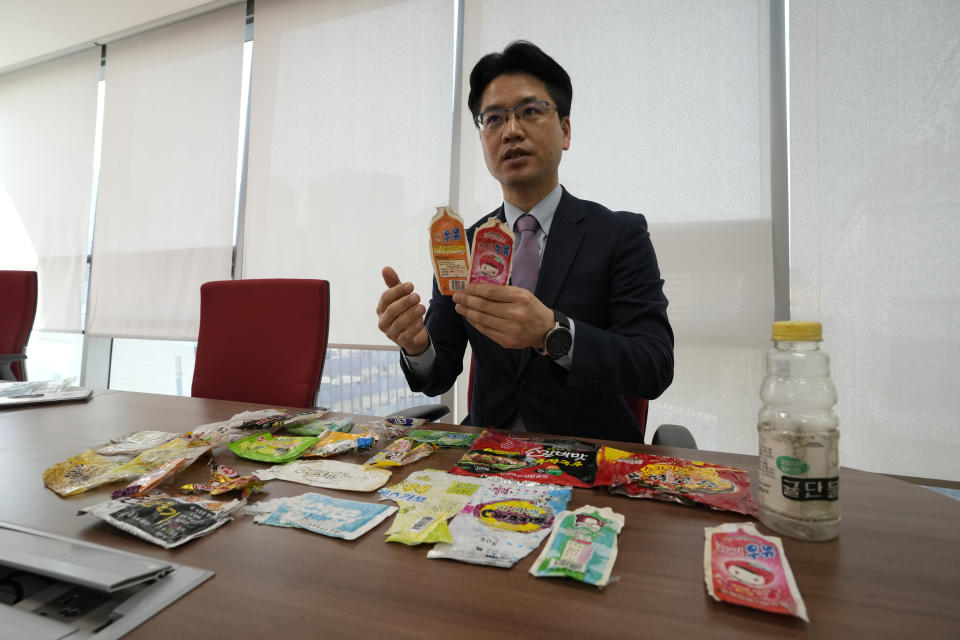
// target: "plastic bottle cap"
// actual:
[[798, 331]]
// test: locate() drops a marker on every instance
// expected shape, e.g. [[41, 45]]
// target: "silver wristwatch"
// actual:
[[559, 339]]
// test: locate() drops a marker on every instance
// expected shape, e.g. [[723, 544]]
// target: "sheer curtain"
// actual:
[[350, 133], [875, 222], [670, 119], [165, 214], [46, 168]]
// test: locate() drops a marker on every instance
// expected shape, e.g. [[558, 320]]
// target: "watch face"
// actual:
[[558, 342]]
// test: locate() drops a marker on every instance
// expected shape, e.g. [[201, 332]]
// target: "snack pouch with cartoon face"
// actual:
[[493, 244], [744, 567], [583, 546]]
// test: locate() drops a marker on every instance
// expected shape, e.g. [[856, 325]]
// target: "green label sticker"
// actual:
[[792, 466]]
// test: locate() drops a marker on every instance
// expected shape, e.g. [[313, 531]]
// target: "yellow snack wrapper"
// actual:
[[79, 473]]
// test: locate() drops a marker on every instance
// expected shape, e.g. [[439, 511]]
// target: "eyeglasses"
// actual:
[[528, 113]]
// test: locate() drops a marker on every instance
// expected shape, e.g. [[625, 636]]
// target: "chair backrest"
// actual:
[[637, 405], [262, 341], [18, 295]]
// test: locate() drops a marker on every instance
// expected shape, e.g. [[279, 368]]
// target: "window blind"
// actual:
[[875, 225], [46, 168], [349, 153], [165, 213]]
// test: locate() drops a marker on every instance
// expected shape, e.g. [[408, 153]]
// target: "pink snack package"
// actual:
[[744, 567], [492, 252]]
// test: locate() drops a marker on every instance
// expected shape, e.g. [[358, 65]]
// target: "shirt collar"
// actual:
[[543, 211]]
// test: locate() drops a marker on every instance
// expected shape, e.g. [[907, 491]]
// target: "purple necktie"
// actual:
[[526, 258]]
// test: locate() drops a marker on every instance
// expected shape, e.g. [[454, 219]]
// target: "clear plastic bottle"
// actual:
[[798, 489]]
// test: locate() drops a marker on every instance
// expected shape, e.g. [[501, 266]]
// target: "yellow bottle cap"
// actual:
[[798, 331]]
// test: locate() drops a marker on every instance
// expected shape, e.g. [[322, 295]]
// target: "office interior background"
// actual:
[[795, 160]]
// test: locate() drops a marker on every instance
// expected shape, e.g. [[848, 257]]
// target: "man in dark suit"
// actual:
[[559, 352]]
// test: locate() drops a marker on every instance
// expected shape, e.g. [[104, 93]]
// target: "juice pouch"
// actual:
[[583, 546], [492, 252], [449, 251], [643, 475], [742, 566]]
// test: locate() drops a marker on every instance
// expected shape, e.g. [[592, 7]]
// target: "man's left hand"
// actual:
[[510, 316]]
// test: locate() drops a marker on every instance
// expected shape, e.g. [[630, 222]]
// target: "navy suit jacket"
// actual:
[[599, 268]]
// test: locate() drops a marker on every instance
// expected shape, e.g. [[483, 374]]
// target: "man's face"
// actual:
[[523, 157]]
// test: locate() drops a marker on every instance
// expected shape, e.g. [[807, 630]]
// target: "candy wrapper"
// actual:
[[448, 251], [400, 452], [503, 522], [335, 517], [318, 423], [267, 447], [335, 443], [165, 519], [152, 479], [427, 499], [742, 566], [328, 474], [564, 462], [492, 252], [444, 438], [242, 425], [641, 475], [583, 546], [80, 473], [389, 428], [160, 455], [135, 443], [224, 478]]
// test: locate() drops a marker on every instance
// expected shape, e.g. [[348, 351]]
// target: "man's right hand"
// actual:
[[400, 315]]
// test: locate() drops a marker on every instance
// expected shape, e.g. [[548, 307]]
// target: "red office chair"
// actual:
[[262, 341], [18, 294]]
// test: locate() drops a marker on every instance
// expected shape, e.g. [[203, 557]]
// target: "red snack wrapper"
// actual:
[[744, 567], [492, 252], [565, 462], [641, 475]]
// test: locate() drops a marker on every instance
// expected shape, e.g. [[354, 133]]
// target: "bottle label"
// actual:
[[799, 475], [801, 489]]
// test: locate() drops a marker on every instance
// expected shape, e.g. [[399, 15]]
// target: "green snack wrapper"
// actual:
[[270, 448], [444, 438]]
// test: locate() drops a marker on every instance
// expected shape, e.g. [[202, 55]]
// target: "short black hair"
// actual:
[[521, 56]]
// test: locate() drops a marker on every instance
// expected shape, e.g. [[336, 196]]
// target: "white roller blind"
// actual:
[[875, 222], [168, 179], [670, 118], [46, 168], [350, 130]]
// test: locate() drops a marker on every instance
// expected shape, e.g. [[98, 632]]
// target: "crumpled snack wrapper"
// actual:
[[327, 474], [80, 473]]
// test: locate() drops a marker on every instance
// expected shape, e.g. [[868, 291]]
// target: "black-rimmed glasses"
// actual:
[[528, 113]]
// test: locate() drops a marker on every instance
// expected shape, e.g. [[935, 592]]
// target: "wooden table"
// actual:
[[894, 571]]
